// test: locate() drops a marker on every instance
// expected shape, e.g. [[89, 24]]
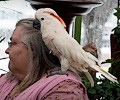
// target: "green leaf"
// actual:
[[117, 14], [107, 61], [92, 91], [77, 32]]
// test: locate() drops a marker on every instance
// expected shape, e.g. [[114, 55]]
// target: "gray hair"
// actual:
[[40, 58]]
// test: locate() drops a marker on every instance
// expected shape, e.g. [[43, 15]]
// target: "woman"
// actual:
[[34, 72]]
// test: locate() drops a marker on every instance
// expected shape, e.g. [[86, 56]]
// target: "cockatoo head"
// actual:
[[46, 15]]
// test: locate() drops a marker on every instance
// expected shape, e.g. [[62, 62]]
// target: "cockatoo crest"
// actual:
[[52, 13]]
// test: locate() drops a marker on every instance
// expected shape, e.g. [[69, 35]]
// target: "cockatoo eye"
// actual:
[[42, 18]]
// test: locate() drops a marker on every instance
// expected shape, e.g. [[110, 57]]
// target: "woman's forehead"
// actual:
[[17, 33]]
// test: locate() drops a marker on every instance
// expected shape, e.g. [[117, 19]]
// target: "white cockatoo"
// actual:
[[67, 49]]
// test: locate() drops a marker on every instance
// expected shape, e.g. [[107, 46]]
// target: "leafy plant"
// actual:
[[103, 89]]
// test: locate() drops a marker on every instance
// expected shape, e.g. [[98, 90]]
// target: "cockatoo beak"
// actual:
[[36, 24], [59, 18]]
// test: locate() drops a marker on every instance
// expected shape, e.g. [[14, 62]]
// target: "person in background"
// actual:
[[34, 73]]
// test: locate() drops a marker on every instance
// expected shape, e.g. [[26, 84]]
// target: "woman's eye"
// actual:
[[11, 43]]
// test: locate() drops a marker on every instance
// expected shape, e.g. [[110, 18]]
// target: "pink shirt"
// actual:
[[56, 87]]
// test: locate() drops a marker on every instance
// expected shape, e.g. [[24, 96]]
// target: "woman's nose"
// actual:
[[7, 51]]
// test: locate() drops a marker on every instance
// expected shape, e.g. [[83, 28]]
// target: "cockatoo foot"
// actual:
[[55, 71]]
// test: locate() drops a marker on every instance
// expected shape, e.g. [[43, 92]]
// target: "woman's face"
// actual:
[[18, 54]]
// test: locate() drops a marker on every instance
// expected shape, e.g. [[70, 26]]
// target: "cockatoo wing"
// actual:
[[71, 55], [73, 52]]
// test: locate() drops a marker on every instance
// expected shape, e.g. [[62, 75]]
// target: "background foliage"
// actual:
[[103, 89]]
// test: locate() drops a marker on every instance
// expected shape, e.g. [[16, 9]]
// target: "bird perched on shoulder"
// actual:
[[67, 49]]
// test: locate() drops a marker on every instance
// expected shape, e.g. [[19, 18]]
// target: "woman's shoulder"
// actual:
[[63, 75], [57, 78], [68, 76], [62, 85], [68, 80]]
